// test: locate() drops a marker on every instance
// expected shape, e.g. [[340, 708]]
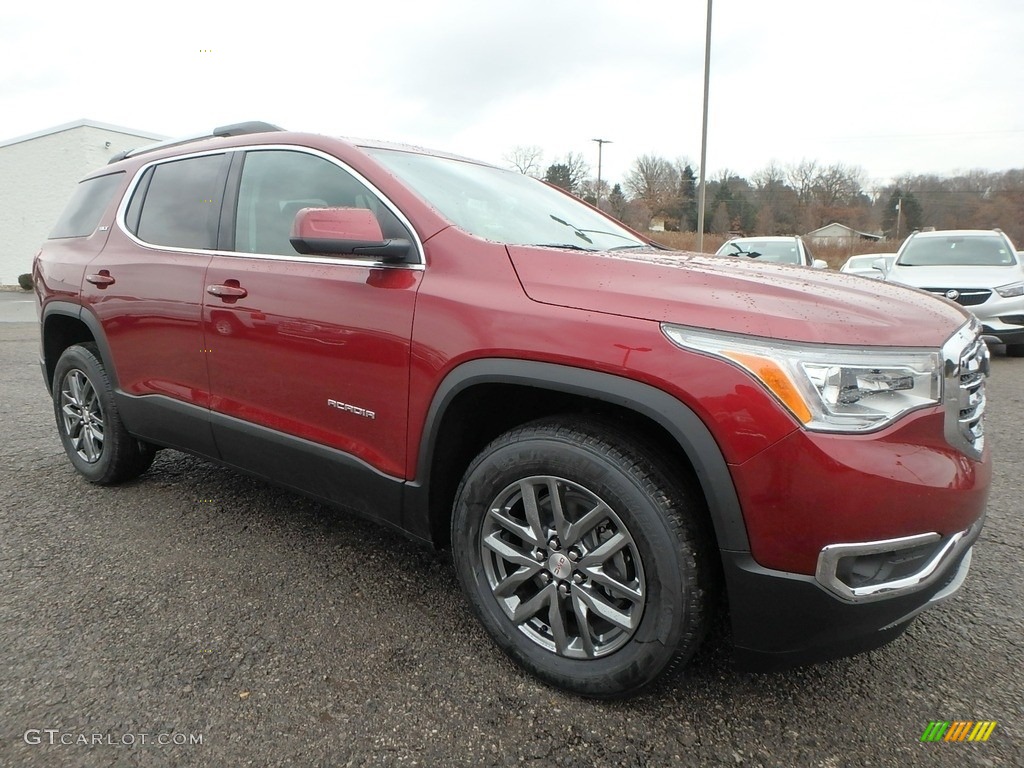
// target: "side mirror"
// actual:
[[345, 232], [819, 264], [880, 265]]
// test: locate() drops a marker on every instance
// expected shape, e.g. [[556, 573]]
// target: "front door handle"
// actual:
[[101, 280], [228, 291]]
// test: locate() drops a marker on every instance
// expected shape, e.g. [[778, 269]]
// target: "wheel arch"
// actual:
[[519, 391], [63, 324]]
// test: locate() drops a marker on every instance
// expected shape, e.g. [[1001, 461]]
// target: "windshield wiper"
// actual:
[[580, 233], [576, 230], [570, 246]]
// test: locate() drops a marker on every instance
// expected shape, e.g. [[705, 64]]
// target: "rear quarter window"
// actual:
[[86, 206]]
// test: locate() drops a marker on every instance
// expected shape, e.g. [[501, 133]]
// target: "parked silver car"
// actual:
[[864, 264], [977, 268], [781, 250]]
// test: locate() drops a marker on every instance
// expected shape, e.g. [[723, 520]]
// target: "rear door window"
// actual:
[[181, 205], [89, 201]]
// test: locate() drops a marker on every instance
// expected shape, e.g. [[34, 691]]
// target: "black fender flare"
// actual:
[[89, 320], [684, 426]]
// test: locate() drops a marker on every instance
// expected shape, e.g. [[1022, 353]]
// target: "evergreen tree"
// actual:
[[911, 216], [616, 203], [560, 175], [720, 223], [687, 213]]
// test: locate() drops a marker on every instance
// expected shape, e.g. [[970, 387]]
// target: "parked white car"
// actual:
[[863, 264], [978, 269]]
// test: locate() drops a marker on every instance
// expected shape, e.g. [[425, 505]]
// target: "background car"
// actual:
[[979, 269], [781, 250], [862, 264]]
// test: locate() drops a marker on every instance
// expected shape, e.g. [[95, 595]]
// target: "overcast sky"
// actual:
[[892, 86]]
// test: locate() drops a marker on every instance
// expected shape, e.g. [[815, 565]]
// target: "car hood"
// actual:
[[955, 277], [739, 296]]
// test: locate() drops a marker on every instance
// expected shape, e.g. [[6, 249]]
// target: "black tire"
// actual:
[[1015, 350], [90, 428], [663, 557]]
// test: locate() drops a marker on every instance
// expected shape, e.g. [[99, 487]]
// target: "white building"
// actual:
[[839, 234], [38, 173]]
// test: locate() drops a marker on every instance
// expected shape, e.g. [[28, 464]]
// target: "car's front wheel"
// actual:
[[587, 565], [90, 427]]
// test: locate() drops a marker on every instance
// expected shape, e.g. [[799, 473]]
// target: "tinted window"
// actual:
[[277, 184], [87, 204], [182, 205]]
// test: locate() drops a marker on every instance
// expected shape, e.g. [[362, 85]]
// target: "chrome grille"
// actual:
[[966, 368], [968, 297]]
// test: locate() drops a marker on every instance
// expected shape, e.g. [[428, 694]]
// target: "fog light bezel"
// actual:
[[831, 557]]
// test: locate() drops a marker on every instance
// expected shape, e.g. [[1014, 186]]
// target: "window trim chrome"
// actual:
[[122, 210]]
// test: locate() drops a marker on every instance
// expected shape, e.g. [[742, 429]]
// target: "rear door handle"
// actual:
[[101, 280], [230, 290]]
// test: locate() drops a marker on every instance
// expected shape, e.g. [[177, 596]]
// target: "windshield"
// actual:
[[957, 250], [779, 251], [504, 206]]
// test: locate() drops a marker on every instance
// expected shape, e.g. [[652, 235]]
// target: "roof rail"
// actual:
[[235, 129]]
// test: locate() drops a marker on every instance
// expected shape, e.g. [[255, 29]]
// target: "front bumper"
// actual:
[[852, 539], [1002, 319], [1002, 333], [784, 619]]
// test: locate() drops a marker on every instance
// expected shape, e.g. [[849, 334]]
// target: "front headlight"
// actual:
[[1011, 290], [828, 388]]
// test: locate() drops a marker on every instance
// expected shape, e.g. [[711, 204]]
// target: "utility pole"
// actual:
[[899, 210], [600, 146], [704, 136]]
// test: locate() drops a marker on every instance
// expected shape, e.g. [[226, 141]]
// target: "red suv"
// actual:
[[614, 439]]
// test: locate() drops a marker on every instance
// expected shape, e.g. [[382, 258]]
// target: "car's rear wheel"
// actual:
[[587, 565], [89, 424]]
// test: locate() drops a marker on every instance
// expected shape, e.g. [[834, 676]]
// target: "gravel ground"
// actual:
[[260, 628]]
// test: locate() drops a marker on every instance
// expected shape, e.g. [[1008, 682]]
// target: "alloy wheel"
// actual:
[[82, 415], [563, 567]]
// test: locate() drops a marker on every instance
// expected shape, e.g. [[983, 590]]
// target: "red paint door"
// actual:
[[316, 348], [146, 285]]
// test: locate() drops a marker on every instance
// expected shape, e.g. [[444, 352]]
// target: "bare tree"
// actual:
[[579, 170], [652, 179], [526, 160], [769, 178], [801, 178], [838, 184], [775, 200]]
